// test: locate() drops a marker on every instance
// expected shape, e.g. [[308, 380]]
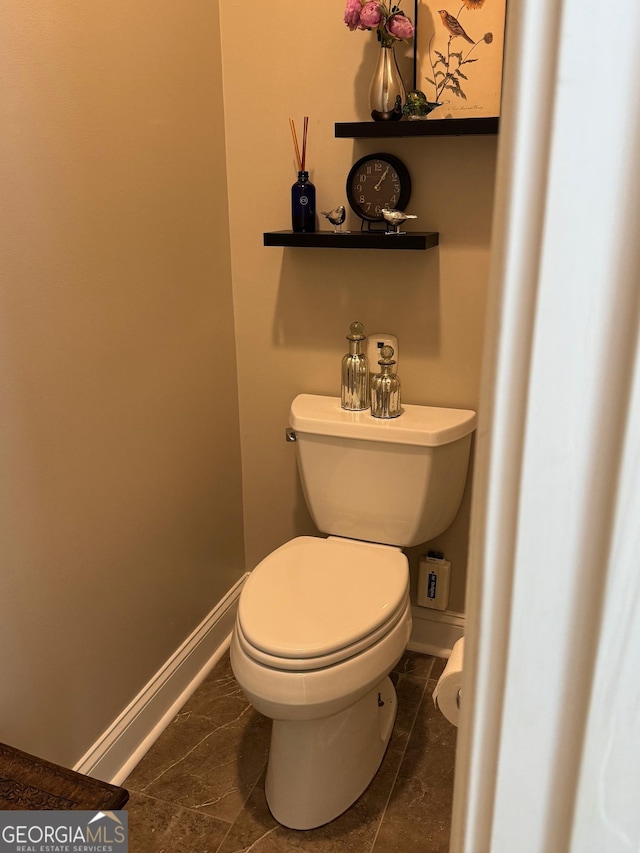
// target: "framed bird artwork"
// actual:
[[459, 47]]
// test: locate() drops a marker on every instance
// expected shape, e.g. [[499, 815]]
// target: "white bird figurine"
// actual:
[[336, 217], [396, 218]]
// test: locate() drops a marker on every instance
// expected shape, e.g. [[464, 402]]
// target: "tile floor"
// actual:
[[200, 788]]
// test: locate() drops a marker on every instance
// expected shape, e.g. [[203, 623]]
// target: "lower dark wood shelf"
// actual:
[[431, 127], [352, 240]]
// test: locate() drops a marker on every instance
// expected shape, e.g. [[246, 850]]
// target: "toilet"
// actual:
[[322, 621]]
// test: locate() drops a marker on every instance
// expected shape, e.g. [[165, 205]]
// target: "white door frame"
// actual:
[[549, 742]]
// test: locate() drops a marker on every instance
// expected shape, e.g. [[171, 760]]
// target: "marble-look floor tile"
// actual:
[[418, 815], [352, 832], [211, 755], [217, 702], [438, 667], [415, 663], [156, 826], [217, 776]]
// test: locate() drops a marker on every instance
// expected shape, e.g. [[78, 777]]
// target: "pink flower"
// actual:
[[352, 14], [370, 14], [400, 26]]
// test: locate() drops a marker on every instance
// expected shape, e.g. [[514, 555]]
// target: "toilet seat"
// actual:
[[307, 664], [315, 602]]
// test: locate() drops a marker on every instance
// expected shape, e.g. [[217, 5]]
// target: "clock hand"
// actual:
[[379, 184]]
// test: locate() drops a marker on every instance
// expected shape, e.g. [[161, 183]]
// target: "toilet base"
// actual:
[[318, 768]]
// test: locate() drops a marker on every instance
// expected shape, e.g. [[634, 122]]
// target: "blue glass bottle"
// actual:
[[303, 204]]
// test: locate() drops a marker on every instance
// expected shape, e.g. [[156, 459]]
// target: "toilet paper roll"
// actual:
[[447, 695]]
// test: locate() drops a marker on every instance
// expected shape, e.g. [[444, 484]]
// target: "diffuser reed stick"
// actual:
[[300, 159], [303, 192], [304, 141]]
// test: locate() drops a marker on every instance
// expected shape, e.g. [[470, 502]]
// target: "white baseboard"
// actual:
[[435, 632], [117, 751]]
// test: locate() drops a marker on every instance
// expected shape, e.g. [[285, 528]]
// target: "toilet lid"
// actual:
[[312, 597]]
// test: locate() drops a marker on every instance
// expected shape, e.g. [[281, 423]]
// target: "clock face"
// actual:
[[377, 181]]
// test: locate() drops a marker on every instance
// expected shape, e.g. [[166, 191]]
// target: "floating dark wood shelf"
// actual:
[[352, 240], [430, 127]]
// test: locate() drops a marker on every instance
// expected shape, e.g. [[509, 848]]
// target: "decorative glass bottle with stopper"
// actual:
[[355, 372], [385, 388]]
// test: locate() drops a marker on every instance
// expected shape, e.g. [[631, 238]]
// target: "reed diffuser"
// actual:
[[303, 192]]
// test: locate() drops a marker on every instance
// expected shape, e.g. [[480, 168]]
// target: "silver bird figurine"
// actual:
[[396, 218], [336, 217]]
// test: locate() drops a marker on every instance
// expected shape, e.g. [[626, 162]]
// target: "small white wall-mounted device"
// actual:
[[434, 574]]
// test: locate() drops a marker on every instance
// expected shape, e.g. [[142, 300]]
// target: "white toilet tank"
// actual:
[[397, 481]]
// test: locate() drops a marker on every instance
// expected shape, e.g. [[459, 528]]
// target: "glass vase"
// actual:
[[387, 94]]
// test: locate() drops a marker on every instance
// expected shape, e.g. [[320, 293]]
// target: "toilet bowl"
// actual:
[[321, 622], [317, 663]]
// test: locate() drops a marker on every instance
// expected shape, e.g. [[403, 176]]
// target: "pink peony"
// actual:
[[400, 26], [352, 14], [370, 14]]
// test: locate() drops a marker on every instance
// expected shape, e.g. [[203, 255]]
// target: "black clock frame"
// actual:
[[403, 177]]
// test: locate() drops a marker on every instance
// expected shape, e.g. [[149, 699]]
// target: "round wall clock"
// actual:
[[377, 181]]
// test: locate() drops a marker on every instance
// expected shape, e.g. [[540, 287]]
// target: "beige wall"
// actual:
[[293, 306], [121, 499], [120, 492]]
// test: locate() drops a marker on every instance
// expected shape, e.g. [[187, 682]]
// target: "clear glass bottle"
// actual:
[[303, 204], [355, 371], [385, 388]]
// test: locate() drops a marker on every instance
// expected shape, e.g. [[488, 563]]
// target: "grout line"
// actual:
[[243, 809], [433, 663], [400, 763], [224, 837]]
